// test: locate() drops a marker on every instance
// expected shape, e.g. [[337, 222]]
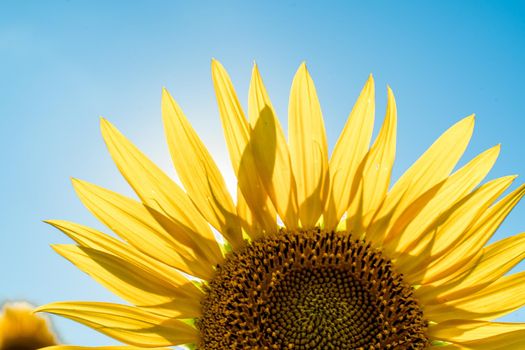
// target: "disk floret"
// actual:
[[310, 290]]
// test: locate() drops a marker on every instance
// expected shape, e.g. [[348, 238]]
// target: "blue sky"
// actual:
[[65, 63]]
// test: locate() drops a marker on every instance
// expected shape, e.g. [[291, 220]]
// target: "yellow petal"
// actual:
[[498, 299], [134, 223], [428, 171], [465, 245], [85, 236], [271, 152], [481, 335], [448, 347], [134, 282], [237, 135], [496, 260], [127, 324], [248, 221], [351, 148], [452, 227], [375, 170], [454, 188], [308, 148], [74, 347], [199, 174], [91, 238], [154, 187]]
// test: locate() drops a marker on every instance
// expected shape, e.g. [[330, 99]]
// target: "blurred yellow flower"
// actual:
[[21, 329], [319, 252]]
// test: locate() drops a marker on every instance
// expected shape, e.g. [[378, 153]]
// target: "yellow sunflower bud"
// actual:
[[21, 329]]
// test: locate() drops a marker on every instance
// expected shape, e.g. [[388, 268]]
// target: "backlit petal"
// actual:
[[351, 148], [153, 186], [127, 324], [481, 335], [498, 299], [134, 223], [428, 171], [452, 228], [495, 261], [454, 188], [91, 238], [134, 282], [271, 151], [375, 170], [308, 148], [74, 347], [199, 174], [237, 134]]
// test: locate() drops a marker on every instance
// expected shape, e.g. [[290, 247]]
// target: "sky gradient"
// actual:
[[63, 64]]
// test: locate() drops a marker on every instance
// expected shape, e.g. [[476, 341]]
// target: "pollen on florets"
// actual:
[[310, 290]]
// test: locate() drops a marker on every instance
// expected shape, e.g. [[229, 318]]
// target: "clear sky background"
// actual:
[[65, 63]]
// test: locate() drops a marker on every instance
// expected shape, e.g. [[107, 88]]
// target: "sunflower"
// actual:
[[315, 252], [21, 329]]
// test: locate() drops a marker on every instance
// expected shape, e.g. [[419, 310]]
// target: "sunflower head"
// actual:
[[321, 252], [310, 290], [21, 329]]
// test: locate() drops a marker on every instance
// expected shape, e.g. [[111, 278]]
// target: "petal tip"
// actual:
[[369, 85], [467, 122], [40, 308], [303, 67], [105, 125], [389, 91], [215, 64], [78, 184], [165, 95], [255, 68]]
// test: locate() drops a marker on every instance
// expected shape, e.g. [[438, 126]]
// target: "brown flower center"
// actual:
[[310, 290]]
